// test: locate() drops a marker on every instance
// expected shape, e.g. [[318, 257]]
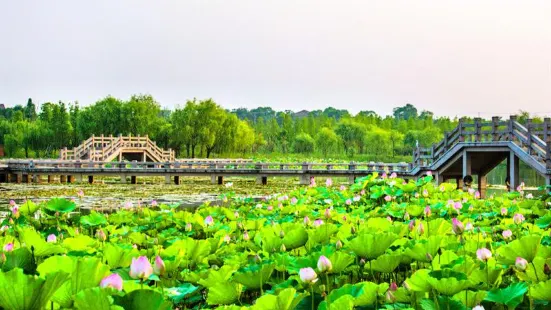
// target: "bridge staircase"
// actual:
[[109, 148]]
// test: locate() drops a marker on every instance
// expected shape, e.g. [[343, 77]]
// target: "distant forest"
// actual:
[[202, 128]]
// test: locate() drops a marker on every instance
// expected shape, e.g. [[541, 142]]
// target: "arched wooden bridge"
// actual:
[[473, 148]]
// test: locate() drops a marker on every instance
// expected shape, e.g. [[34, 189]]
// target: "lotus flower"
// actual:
[[425, 193], [228, 185], [51, 238], [101, 235], [236, 214], [318, 223], [80, 194], [159, 266], [140, 268], [282, 248], [389, 219], [327, 213], [356, 198], [348, 202], [113, 280], [189, 227], [479, 307], [312, 182], [406, 216], [270, 208], [518, 218], [388, 198], [15, 211], [483, 254], [389, 297], [521, 263], [507, 234], [343, 188], [429, 173], [328, 182], [128, 205], [469, 226], [362, 192], [457, 205], [457, 226], [529, 196], [421, 229], [209, 220], [154, 203], [294, 200], [12, 202], [503, 211], [393, 175], [227, 239], [324, 264], [411, 225], [308, 275], [384, 175], [477, 195], [8, 247], [427, 211], [306, 220]]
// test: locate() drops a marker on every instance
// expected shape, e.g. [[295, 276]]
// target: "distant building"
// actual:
[[301, 114]]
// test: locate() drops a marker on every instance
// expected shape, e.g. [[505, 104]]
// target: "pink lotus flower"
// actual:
[[471, 191], [159, 266], [406, 216], [458, 205], [270, 208], [8, 247], [483, 254], [128, 205], [308, 275], [427, 211], [389, 297], [113, 280], [312, 182], [294, 201], [327, 213], [457, 226], [389, 219], [421, 229], [425, 193], [154, 203], [356, 198], [318, 223], [324, 264], [388, 198], [503, 211], [477, 195], [209, 220], [469, 226], [393, 286], [80, 194], [393, 175], [140, 268], [306, 220], [189, 227], [348, 202], [529, 196], [101, 235], [328, 182], [521, 263], [479, 307], [518, 218], [507, 234], [51, 238], [343, 188], [12, 202], [362, 192], [411, 225], [384, 176], [15, 211], [246, 236]]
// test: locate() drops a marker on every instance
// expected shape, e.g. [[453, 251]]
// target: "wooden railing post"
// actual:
[[511, 127], [495, 128], [477, 129], [529, 135], [460, 130]]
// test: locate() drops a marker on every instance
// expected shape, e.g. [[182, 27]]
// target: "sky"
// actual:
[[455, 58]]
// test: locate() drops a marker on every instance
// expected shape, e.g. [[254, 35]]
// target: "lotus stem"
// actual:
[[312, 292], [535, 271]]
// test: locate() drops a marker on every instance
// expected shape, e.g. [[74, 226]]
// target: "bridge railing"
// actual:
[[533, 138]]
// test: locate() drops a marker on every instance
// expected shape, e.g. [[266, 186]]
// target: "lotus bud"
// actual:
[[188, 227], [215, 267], [421, 229], [393, 286], [406, 216], [101, 235], [362, 192], [529, 196], [348, 202], [15, 211], [283, 248], [306, 220], [318, 223], [159, 266], [294, 201], [113, 280], [227, 239], [308, 275], [483, 254], [246, 236], [393, 175], [507, 234], [209, 220], [342, 188], [362, 262], [76, 231], [457, 226], [425, 193], [429, 257], [11, 222], [236, 214], [521, 263], [135, 246], [478, 307], [328, 182], [51, 238], [327, 213], [270, 208], [389, 297], [338, 245], [427, 211], [518, 218], [8, 247], [324, 264], [388, 198], [281, 234], [2, 258], [411, 225], [322, 289], [389, 219], [352, 230], [547, 269], [469, 226], [12, 202], [140, 268], [477, 195]]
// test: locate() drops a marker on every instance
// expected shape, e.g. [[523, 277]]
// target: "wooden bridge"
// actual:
[[473, 148]]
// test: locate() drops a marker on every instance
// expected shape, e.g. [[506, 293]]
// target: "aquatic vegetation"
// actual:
[[381, 243]]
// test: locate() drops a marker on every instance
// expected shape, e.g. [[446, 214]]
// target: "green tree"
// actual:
[[304, 143], [327, 141]]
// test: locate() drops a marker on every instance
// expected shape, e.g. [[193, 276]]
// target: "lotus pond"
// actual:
[[381, 243]]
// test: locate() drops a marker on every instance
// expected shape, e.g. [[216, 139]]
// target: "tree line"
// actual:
[[202, 128]]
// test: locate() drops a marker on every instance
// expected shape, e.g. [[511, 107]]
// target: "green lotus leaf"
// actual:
[[340, 260], [418, 281], [385, 263], [179, 293], [415, 210], [423, 247], [19, 258], [61, 205], [143, 300], [57, 263], [287, 299], [28, 208], [345, 302], [93, 219], [470, 298], [254, 276], [369, 293], [527, 247], [479, 276], [448, 282], [194, 251], [25, 292], [541, 291], [213, 277], [38, 245], [223, 293], [321, 234], [447, 259], [371, 246], [93, 299], [118, 257], [510, 296], [535, 271], [295, 237], [444, 302], [80, 243]]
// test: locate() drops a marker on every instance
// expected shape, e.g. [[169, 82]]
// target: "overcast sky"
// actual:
[[450, 57]]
